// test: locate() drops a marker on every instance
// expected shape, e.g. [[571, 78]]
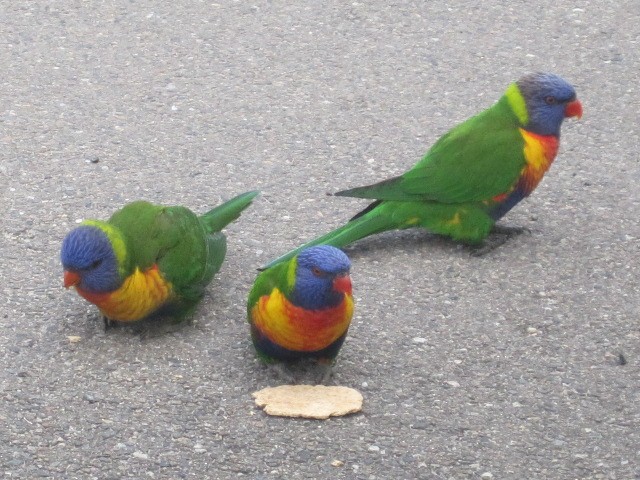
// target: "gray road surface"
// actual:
[[503, 367]]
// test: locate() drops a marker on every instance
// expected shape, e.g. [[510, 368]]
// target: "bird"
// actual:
[[302, 309], [148, 259], [473, 175]]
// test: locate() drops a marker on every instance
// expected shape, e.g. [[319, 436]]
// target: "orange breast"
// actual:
[[539, 153], [140, 295], [297, 329]]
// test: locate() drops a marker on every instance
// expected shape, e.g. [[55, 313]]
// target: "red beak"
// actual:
[[342, 283], [71, 279], [573, 109]]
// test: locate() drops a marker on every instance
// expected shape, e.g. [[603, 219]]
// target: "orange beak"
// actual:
[[71, 279], [573, 109], [342, 283]]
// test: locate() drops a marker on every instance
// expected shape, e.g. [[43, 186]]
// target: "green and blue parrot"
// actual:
[[148, 258], [302, 308], [474, 174]]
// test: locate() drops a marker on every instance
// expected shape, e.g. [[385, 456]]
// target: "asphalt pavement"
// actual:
[[522, 364]]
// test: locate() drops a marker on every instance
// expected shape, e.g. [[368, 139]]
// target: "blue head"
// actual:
[[549, 100], [322, 277], [89, 260]]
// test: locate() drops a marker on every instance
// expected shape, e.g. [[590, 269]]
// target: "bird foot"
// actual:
[[282, 372], [325, 375], [325, 370], [498, 236], [509, 230], [489, 245], [108, 323]]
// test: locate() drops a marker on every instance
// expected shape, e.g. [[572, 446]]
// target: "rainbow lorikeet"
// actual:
[[474, 174], [147, 258], [301, 309]]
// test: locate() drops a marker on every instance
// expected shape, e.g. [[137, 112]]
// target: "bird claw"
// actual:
[[108, 323], [510, 230], [498, 236], [282, 372], [325, 375], [325, 367], [489, 245]]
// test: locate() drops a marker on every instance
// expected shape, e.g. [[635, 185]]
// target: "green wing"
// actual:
[[477, 160], [172, 238], [189, 250], [267, 280]]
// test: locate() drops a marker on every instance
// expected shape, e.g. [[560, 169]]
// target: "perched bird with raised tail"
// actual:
[[148, 259], [474, 174], [302, 308]]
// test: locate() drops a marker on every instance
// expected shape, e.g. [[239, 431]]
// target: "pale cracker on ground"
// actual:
[[309, 401]]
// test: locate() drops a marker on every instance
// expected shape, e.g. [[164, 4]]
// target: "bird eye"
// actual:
[[96, 264], [550, 100], [317, 272]]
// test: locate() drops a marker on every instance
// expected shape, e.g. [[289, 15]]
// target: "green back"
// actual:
[[175, 240], [189, 250], [455, 169]]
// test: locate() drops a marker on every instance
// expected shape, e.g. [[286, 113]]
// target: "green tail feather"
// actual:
[[219, 217], [385, 190], [356, 229]]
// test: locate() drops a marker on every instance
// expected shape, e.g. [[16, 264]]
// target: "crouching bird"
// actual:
[[474, 174], [302, 309], [147, 258]]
